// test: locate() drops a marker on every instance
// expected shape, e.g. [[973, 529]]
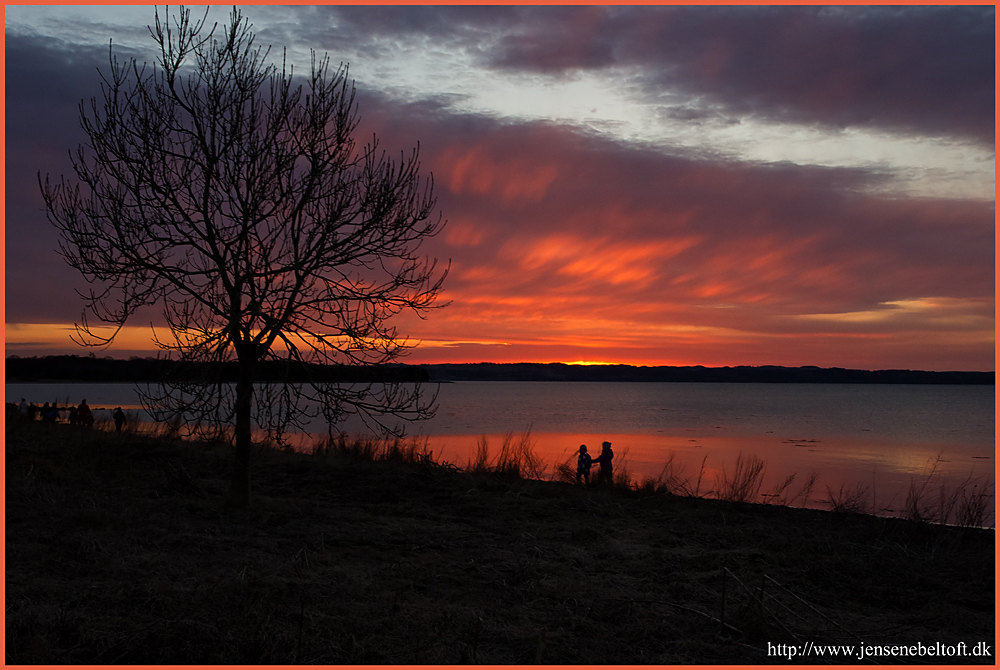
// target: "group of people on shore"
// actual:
[[584, 463], [80, 415]]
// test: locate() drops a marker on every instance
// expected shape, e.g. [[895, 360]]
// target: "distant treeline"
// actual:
[[94, 369], [771, 374], [107, 369]]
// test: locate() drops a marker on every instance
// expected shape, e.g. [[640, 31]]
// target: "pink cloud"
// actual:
[[566, 246]]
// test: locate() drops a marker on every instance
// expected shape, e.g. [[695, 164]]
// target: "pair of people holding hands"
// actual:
[[584, 462]]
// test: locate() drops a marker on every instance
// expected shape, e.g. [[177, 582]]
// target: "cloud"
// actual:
[[623, 239], [917, 69], [567, 244], [46, 81], [914, 69], [758, 83]]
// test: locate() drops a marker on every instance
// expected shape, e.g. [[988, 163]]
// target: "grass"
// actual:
[[366, 449], [120, 550], [516, 459], [745, 482], [674, 479], [847, 500], [929, 499]]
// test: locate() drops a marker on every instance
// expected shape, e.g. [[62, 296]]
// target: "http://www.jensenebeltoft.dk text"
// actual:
[[861, 652]]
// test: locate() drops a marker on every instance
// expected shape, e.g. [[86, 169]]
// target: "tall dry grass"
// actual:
[[929, 499], [564, 470], [745, 482], [517, 458], [975, 506], [674, 479], [849, 500], [969, 503], [622, 475], [782, 492], [366, 448]]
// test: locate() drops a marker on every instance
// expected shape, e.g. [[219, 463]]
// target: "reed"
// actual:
[[745, 482], [481, 462], [564, 470], [975, 506], [117, 557], [928, 498], [651, 486], [807, 488], [781, 493], [968, 503], [370, 449], [517, 458], [675, 480], [778, 495], [917, 506], [622, 476], [849, 500]]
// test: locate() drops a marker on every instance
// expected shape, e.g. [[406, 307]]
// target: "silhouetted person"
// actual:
[[22, 409], [119, 417], [47, 413], [583, 462], [32, 411], [83, 414], [74, 416], [605, 475]]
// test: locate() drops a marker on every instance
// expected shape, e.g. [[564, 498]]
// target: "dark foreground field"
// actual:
[[120, 549]]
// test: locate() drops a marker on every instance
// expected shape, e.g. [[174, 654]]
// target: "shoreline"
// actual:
[[674, 459], [121, 550]]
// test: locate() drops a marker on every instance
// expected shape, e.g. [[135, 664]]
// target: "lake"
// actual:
[[878, 436]]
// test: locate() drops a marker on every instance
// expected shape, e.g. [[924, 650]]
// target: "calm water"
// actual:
[[880, 436]]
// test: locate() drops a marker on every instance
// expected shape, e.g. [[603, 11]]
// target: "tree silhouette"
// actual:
[[215, 187]]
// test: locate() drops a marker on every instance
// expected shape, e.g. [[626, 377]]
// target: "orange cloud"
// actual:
[[596, 259], [43, 337], [461, 234], [474, 170]]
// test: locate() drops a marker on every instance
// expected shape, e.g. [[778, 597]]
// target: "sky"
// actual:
[[650, 185]]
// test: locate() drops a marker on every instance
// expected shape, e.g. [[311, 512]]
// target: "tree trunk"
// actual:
[[239, 490]]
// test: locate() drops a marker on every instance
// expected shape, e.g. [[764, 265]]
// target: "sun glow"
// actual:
[[44, 337], [588, 363]]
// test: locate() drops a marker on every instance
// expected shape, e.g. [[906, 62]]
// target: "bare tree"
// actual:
[[215, 187]]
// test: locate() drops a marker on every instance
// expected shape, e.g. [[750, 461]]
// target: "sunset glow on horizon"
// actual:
[[714, 186]]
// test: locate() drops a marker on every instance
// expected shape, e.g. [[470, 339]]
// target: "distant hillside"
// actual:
[[744, 373], [93, 369]]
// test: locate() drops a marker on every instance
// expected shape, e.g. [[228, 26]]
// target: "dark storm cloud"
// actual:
[[373, 30], [929, 69], [911, 69], [360, 23], [45, 82]]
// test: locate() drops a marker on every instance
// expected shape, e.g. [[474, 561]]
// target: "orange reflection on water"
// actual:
[[884, 470]]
